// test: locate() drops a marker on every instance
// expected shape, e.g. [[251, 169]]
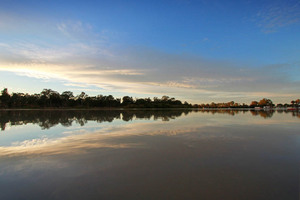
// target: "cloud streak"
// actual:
[[88, 58], [278, 14]]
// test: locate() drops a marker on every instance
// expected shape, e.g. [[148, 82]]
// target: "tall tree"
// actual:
[[5, 98]]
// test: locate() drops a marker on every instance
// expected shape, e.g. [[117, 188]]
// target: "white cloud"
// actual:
[[31, 143], [86, 58], [147, 72]]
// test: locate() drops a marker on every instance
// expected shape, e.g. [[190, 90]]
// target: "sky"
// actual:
[[200, 51]]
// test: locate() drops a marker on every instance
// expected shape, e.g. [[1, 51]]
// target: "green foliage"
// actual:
[[51, 99], [265, 102]]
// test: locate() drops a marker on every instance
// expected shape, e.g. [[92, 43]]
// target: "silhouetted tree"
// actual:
[[265, 102], [254, 104], [126, 100], [5, 98]]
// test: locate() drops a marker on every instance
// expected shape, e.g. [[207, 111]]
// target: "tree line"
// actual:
[[49, 98], [261, 103]]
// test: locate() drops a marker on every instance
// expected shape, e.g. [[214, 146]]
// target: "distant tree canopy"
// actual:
[[52, 99], [254, 104], [265, 102]]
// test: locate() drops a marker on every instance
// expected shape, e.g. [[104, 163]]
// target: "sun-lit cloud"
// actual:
[[147, 72], [78, 55]]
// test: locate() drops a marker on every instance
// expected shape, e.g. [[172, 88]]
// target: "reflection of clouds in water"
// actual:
[[69, 144], [30, 143], [79, 141], [195, 126], [188, 147], [128, 136], [25, 165], [80, 131]]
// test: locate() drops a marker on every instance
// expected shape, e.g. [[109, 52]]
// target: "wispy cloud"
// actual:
[[87, 58], [145, 71], [278, 14]]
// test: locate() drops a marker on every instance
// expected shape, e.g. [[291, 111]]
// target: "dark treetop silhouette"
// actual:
[[51, 99]]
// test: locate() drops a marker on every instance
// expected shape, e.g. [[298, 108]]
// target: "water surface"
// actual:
[[149, 154]]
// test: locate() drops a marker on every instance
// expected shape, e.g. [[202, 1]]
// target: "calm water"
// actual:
[[149, 155]]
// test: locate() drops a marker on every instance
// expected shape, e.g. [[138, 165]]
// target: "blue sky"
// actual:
[[200, 51]]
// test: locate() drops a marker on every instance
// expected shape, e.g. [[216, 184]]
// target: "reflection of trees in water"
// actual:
[[296, 114], [47, 119], [270, 113], [262, 113], [164, 115], [225, 111]]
